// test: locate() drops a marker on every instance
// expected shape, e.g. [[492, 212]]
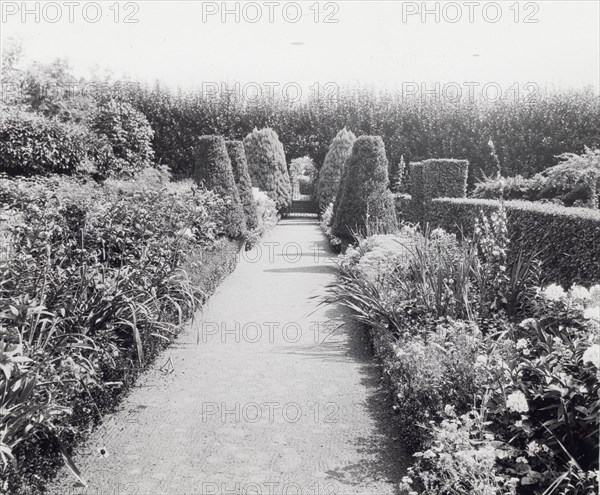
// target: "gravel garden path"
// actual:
[[262, 394]]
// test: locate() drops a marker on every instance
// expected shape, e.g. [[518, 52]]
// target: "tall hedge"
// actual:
[[33, 145], [212, 169], [333, 165], [237, 156], [566, 238], [268, 168], [366, 205]]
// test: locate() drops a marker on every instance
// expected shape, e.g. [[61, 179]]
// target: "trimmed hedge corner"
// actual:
[[568, 239]]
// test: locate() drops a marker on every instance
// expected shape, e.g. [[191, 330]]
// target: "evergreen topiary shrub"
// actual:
[[333, 166], [212, 169], [33, 145], [367, 205], [268, 168], [237, 156]]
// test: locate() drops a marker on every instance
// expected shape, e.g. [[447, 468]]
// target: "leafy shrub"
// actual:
[[508, 188], [331, 172], [237, 156], [574, 182], [33, 145], [213, 170], [564, 239], [267, 216], [367, 204], [268, 168], [124, 144]]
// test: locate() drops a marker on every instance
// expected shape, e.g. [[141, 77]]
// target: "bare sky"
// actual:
[[186, 43]]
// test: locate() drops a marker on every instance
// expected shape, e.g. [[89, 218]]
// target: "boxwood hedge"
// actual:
[[568, 239]]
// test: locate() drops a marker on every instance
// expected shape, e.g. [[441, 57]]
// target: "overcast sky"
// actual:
[[372, 42]]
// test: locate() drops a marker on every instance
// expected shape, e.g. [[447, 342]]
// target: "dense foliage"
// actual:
[[268, 168], [573, 182], [331, 172], [366, 204], [239, 165], [124, 139], [33, 145]]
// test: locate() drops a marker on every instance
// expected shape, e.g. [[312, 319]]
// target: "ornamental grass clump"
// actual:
[[366, 205], [268, 168]]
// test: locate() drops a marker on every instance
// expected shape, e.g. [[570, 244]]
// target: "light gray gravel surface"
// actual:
[[264, 395]]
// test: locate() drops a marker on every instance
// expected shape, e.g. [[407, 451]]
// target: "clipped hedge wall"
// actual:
[[237, 156], [567, 238], [33, 145], [445, 178], [212, 169]]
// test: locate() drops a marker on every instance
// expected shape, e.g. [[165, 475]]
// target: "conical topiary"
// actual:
[[212, 169], [237, 156], [366, 205], [333, 166], [267, 166]]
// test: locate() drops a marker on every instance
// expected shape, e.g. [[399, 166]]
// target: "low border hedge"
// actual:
[[568, 239]]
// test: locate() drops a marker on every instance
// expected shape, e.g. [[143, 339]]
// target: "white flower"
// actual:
[[533, 448], [592, 355], [527, 322], [595, 293], [554, 293], [481, 360], [449, 410], [579, 293], [517, 402], [522, 344], [592, 313], [428, 454], [407, 479]]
